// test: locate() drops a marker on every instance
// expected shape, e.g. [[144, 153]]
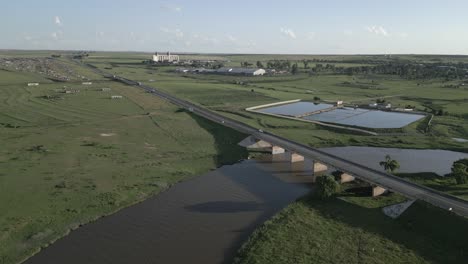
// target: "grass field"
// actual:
[[356, 231], [71, 158], [437, 182], [224, 94]]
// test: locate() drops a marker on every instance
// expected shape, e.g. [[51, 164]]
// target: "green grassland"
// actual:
[[354, 230], [230, 95], [444, 184], [68, 159]]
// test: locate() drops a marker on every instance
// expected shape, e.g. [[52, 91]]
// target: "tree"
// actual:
[[460, 171], [390, 165], [306, 64], [259, 64], [326, 186], [295, 69]]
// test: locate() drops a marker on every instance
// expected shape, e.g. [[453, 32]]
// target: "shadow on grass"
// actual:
[[435, 234], [226, 139]]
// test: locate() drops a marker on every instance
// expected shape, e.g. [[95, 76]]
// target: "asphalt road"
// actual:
[[388, 181]]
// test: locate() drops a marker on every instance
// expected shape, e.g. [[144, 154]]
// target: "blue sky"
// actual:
[[239, 26]]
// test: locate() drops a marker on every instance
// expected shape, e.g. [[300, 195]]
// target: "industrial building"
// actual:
[[225, 71], [241, 71], [168, 57]]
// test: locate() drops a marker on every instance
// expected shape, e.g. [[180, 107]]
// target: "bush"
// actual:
[[460, 171], [326, 187]]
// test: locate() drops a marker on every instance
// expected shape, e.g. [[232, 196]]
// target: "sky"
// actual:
[[238, 26]]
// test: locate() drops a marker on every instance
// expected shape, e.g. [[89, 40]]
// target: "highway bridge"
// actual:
[[382, 180]]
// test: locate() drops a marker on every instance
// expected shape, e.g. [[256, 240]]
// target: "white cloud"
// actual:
[[178, 33], [212, 40], [378, 30], [172, 8], [311, 35], [56, 35], [288, 32], [403, 35], [231, 38], [58, 21]]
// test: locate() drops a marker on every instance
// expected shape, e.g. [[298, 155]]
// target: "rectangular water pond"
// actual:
[[366, 118], [295, 109]]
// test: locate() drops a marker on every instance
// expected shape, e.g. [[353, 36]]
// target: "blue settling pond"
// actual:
[[347, 116], [295, 109]]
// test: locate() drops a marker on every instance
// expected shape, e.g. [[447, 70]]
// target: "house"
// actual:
[[33, 84], [116, 97], [87, 83], [105, 89]]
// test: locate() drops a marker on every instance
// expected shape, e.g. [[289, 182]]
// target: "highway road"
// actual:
[[386, 180]]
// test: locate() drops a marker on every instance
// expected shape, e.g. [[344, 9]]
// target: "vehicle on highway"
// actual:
[[261, 131]]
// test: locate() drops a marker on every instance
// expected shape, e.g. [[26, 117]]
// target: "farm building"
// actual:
[[105, 89], [116, 97], [33, 84], [225, 71], [241, 71], [165, 57]]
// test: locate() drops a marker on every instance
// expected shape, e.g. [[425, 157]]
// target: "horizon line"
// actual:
[[226, 53]]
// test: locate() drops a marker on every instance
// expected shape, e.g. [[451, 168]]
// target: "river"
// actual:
[[206, 219], [202, 220]]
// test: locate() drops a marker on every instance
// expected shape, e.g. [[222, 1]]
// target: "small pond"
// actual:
[[346, 115], [295, 109]]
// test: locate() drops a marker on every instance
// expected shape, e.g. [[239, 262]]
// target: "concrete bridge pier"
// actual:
[[318, 167], [377, 190], [277, 150], [294, 157], [344, 178]]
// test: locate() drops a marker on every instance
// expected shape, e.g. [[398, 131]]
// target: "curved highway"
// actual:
[[386, 180]]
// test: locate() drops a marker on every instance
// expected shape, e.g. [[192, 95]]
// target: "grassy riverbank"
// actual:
[[69, 158], [339, 231], [444, 184]]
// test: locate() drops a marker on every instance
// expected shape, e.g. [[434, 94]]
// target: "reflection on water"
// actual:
[[366, 118], [206, 219], [295, 109], [411, 160], [346, 115], [203, 220]]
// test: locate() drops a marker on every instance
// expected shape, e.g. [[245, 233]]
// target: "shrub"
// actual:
[[326, 187]]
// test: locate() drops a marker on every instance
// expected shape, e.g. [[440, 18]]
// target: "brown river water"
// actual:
[[206, 219], [202, 220]]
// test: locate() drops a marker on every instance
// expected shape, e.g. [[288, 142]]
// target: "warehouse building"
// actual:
[[241, 71]]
